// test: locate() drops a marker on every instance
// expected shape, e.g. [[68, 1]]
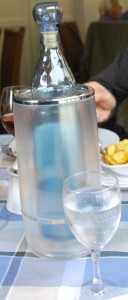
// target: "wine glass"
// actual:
[[92, 206], [7, 115], [6, 107]]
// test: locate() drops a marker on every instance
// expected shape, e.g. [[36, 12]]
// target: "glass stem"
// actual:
[[97, 284]]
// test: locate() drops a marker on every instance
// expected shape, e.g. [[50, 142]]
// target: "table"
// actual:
[[25, 276]]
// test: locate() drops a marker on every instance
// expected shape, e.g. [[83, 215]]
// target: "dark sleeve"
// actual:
[[115, 76]]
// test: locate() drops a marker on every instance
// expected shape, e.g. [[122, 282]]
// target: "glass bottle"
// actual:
[[52, 76]]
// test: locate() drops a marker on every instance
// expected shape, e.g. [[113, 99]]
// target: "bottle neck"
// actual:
[[50, 39]]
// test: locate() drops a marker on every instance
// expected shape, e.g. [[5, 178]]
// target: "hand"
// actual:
[[105, 101]]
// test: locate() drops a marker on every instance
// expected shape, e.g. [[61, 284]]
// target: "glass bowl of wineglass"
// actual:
[[6, 112], [6, 107], [92, 206]]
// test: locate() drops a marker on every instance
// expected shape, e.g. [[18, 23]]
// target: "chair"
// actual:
[[11, 56], [104, 40], [73, 48]]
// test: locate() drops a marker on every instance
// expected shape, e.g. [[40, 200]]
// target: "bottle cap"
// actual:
[[47, 15]]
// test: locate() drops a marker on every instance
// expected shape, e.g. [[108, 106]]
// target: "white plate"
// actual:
[[107, 137], [123, 185], [123, 180]]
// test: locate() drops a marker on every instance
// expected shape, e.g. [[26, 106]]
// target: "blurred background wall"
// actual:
[[16, 13]]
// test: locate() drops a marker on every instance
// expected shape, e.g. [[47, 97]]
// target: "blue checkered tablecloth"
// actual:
[[24, 276]]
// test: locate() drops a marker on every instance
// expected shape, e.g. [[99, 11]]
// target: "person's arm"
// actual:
[[111, 86], [105, 101], [115, 77]]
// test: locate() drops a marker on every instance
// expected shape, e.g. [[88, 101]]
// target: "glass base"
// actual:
[[110, 290]]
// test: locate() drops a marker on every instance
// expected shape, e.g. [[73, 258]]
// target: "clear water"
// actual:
[[93, 223]]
